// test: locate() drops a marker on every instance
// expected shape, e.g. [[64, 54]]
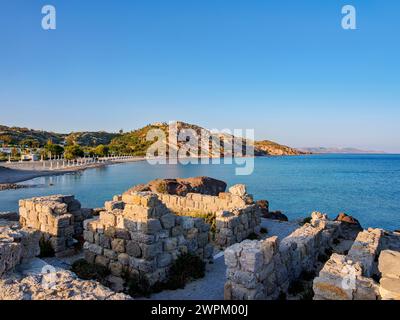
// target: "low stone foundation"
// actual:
[[59, 218], [265, 269], [140, 235], [17, 246]]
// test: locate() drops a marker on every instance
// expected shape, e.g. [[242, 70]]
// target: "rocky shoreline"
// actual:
[[13, 186]]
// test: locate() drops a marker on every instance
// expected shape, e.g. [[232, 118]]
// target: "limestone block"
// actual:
[[389, 264], [170, 244], [88, 236], [164, 260], [150, 251], [238, 189], [118, 245], [110, 254], [231, 255], [95, 248], [251, 259], [102, 261], [123, 258], [112, 205], [116, 268], [133, 249], [389, 289], [142, 238], [168, 221], [107, 219], [151, 226], [143, 265]]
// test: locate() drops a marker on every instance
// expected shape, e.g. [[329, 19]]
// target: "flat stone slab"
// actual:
[[389, 264]]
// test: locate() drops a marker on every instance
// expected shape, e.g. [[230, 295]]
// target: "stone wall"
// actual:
[[235, 212], [59, 218], [140, 235], [264, 269], [17, 246], [349, 277]]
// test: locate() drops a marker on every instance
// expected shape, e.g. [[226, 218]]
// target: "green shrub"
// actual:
[[162, 187], [138, 286], [88, 271], [208, 218], [46, 249], [185, 268]]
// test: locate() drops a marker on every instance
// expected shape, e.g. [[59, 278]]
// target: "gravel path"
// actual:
[[279, 228], [211, 287]]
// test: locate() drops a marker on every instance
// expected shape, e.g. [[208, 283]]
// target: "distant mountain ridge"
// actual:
[[348, 150], [135, 141]]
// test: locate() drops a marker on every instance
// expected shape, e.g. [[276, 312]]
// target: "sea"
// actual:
[[365, 186]]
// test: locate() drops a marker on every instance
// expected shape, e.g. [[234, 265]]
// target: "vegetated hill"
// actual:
[[275, 149], [25, 136], [136, 142], [91, 139]]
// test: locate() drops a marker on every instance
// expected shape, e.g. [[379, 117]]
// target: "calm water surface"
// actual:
[[366, 186]]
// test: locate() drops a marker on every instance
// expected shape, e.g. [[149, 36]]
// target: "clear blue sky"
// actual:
[[285, 68]]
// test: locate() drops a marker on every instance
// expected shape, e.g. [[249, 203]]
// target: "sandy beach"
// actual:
[[11, 173]]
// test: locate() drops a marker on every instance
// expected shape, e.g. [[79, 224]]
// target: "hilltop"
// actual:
[[134, 142]]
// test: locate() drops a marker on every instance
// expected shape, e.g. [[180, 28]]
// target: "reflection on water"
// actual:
[[367, 186]]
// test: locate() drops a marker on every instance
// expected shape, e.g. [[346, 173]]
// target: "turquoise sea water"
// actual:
[[365, 186]]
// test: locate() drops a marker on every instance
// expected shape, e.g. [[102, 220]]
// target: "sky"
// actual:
[[285, 68]]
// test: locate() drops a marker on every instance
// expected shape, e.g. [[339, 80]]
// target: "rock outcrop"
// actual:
[[182, 187], [275, 215], [62, 285], [343, 217]]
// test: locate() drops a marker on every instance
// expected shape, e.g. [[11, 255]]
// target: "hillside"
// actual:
[[91, 139], [38, 138], [25, 136], [324, 150], [275, 149], [135, 142]]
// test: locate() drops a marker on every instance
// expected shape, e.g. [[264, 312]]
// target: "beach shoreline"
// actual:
[[11, 174]]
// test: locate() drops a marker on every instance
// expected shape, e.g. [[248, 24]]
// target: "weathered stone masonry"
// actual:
[[140, 235], [236, 214], [17, 246], [348, 277], [59, 219], [265, 269]]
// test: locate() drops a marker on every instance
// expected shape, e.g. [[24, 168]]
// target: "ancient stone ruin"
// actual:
[[264, 269], [17, 246], [59, 218], [140, 235]]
